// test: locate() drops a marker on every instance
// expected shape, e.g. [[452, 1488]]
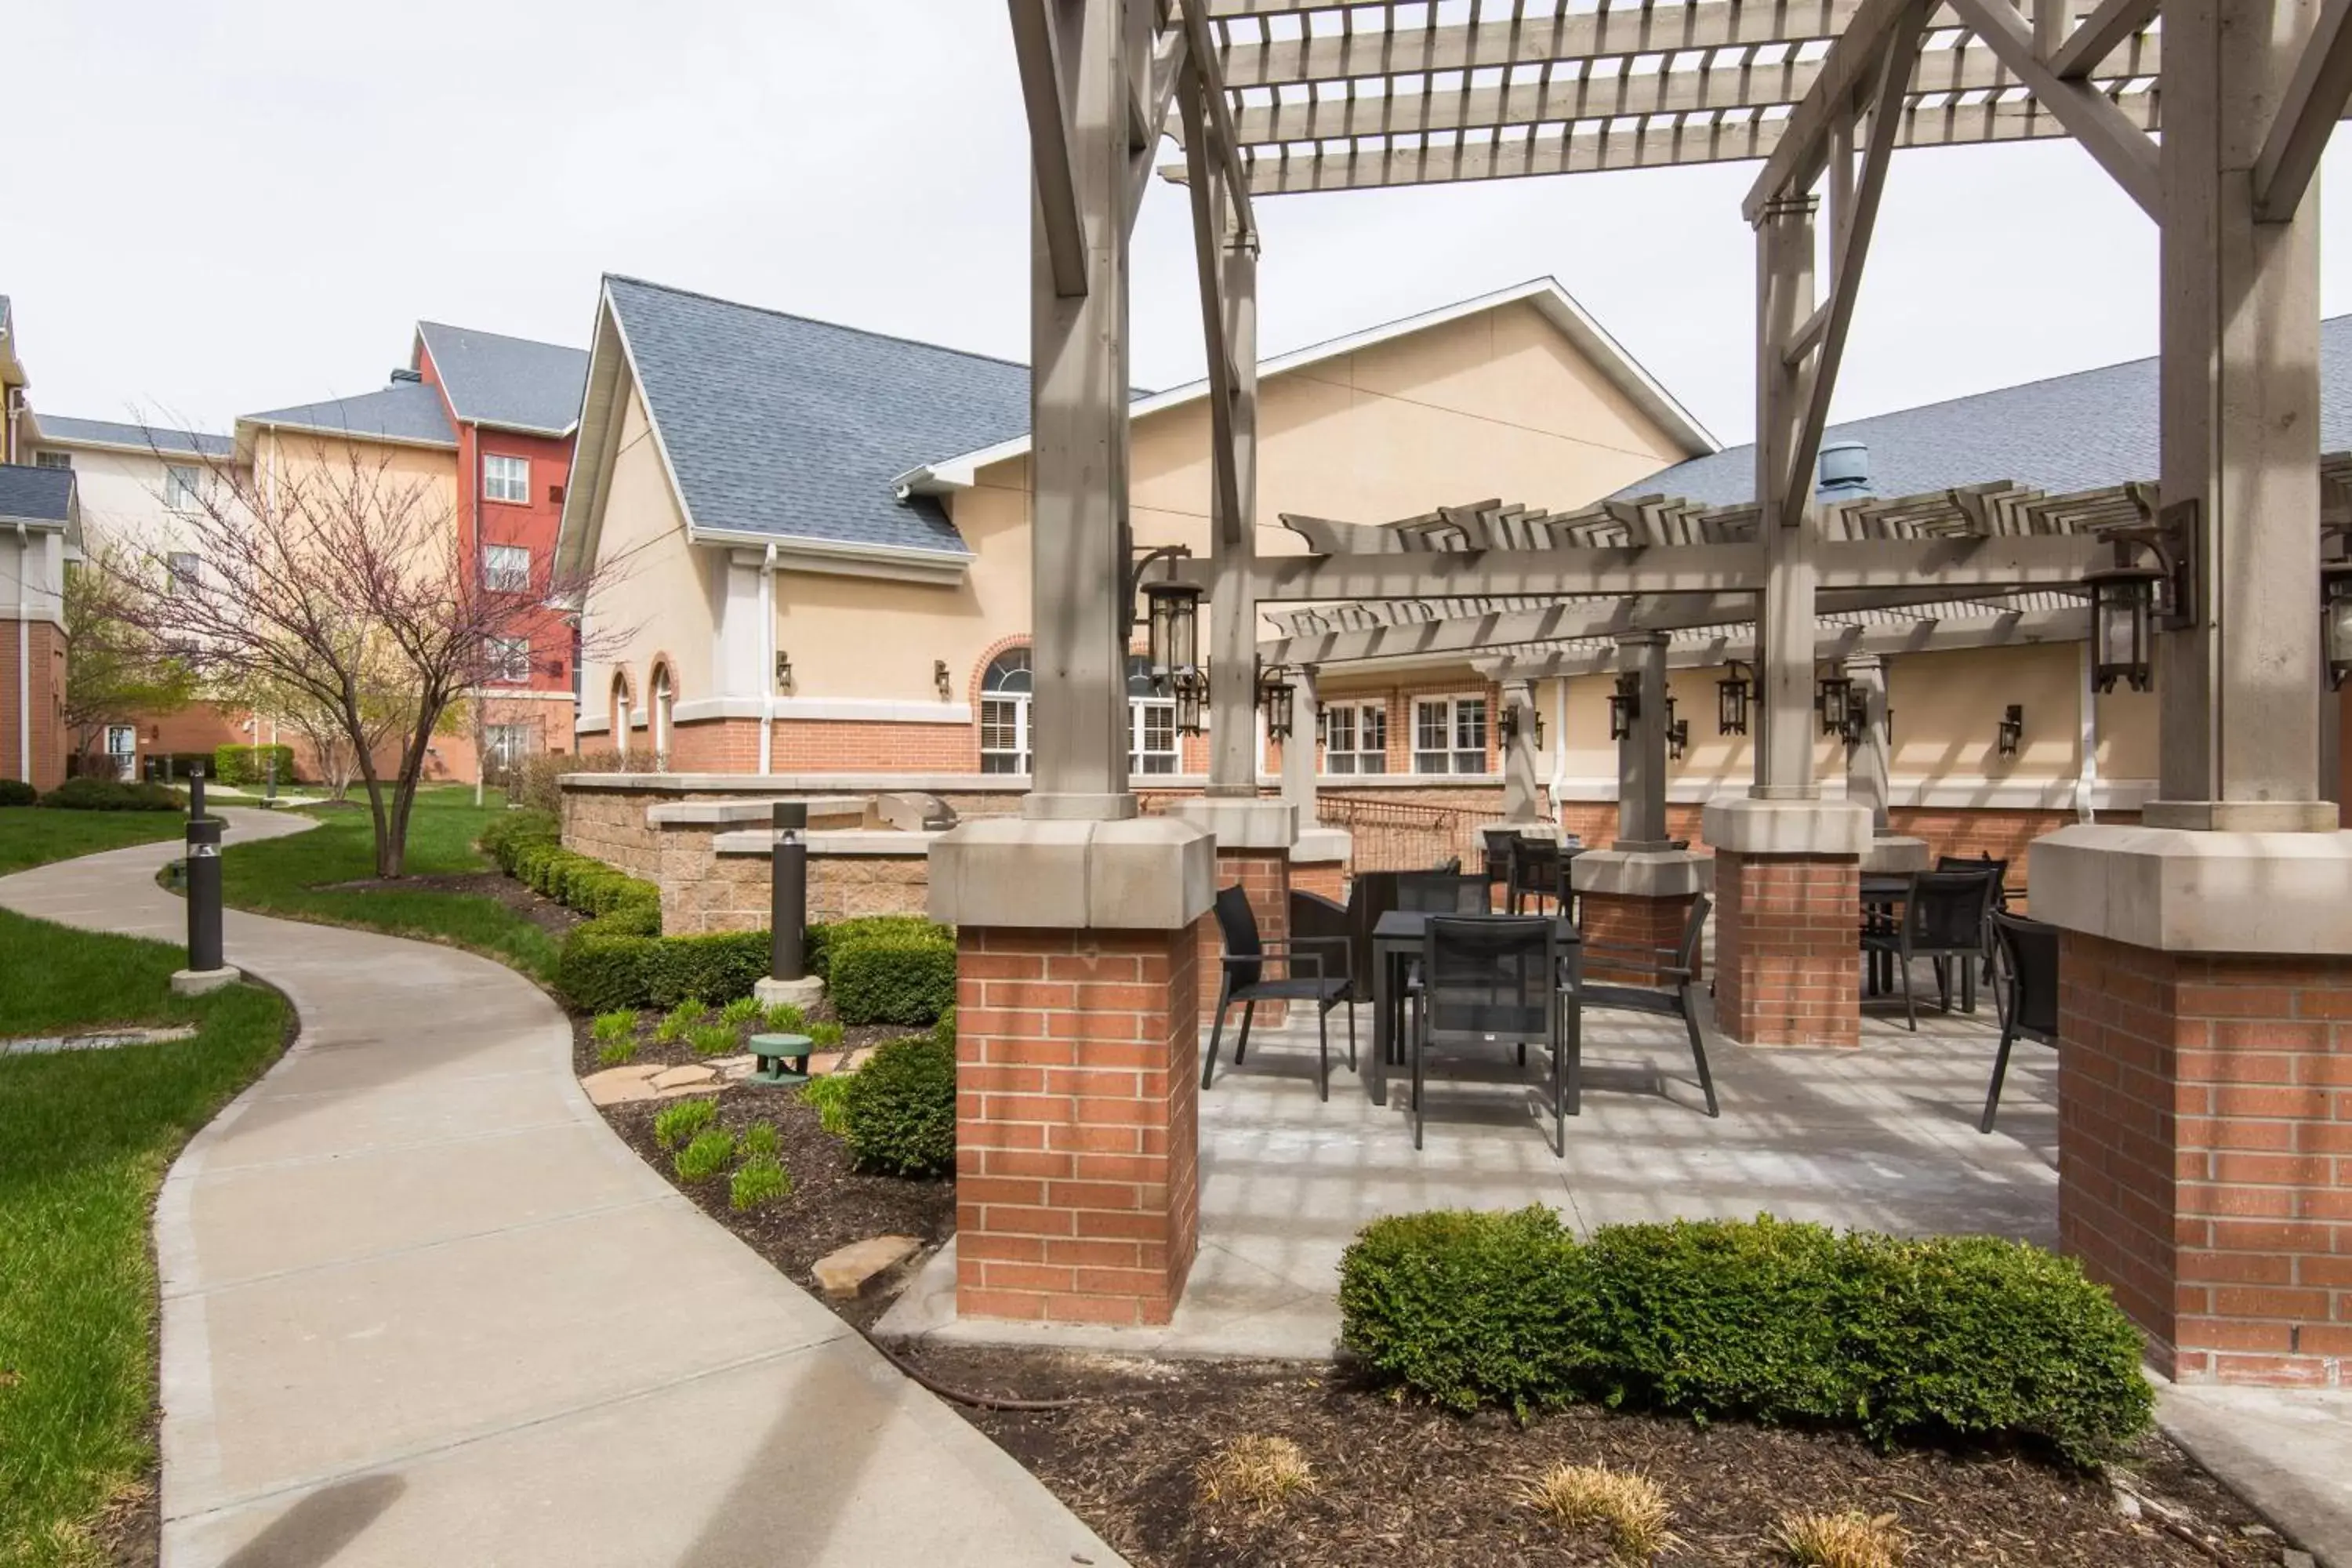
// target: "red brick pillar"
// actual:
[[1788, 919], [1264, 875], [1328, 878], [1638, 900], [1629, 920], [1077, 1057], [1078, 1063], [2205, 1097]]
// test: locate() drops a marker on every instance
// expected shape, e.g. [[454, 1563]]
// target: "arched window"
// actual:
[[620, 711], [1004, 713], [661, 718], [1005, 737]]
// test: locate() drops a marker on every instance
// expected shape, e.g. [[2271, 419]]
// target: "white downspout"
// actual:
[[1559, 744], [2087, 770], [767, 672], [24, 655]]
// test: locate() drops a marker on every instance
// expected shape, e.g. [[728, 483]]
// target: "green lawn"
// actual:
[[34, 835], [85, 1137], [286, 877]]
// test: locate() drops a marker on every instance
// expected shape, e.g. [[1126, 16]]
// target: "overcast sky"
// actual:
[[226, 207]]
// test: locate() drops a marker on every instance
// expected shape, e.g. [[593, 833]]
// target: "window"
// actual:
[[184, 571], [53, 459], [509, 658], [1356, 738], [504, 747], [1004, 713], [1449, 735], [506, 569], [1151, 719], [180, 486], [505, 478]]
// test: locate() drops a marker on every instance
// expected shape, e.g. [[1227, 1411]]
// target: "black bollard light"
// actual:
[[788, 894], [204, 895], [196, 799]]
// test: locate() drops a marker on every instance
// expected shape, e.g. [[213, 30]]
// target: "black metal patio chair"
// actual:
[[2000, 870], [1444, 892], [1308, 979], [1502, 851], [1490, 980], [1540, 872], [1942, 917], [2028, 958], [1672, 994]]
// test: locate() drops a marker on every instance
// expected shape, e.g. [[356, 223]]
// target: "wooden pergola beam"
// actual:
[[2315, 99], [2121, 148], [1803, 148], [2099, 34], [2015, 629], [1052, 169]]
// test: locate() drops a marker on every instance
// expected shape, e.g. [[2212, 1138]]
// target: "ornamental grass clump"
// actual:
[[829, 1096], [742, 1010], [760, 1178], [1848, 1540], [711, 1039], [785, 1018], [1630, 1506], [615, 1034], [710, 1153], [679, 1020], [674, 1124], [759, 1138], [1253, 1475], [824, 1036], [1943, 1338]]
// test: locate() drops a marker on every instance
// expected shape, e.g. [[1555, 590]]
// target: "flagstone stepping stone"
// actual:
[[43, 1045], [843, 1273], [618, 1086], [688, 1076]]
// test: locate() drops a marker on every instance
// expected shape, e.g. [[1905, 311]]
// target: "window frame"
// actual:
[[1455, 749], [181, 482], [183, 569], [1005, 687], [1350, 759], [499, 580], [507, 655], [48, 457], [495, 489]]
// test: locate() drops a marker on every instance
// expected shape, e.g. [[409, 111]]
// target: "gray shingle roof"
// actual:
[[776, 423], [60, 429], [404, 411], [36, 494], [513, 383], [2078, 432]]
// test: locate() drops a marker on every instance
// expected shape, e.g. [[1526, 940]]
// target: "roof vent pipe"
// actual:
[[1845, 470], [406, 374]]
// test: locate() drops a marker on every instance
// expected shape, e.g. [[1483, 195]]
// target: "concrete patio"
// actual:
[[1884, 1137]]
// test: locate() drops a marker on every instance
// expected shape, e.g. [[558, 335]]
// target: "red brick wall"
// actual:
[[1078, 1195], [2205, 1153], [1647, 923], [46, 649], [1263, 876], [1788, 967], [1328, 877]]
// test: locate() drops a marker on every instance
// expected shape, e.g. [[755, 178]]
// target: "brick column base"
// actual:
[[1077, 1057], [1629, 920], [1265, 878], [2205, 1153], [1328, 878], [1787, 960]]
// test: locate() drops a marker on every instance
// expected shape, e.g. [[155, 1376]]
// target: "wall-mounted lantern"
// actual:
[[2335, 604], [1275, 691], [1833, 700], [2012, 728], [1506, 726], [783, 671], [1677, 738], [1624, 705], [2151, 584], [1731, 694], [1172, 636], [941, 679]]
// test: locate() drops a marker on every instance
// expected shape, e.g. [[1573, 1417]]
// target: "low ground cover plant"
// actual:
[[899, 1110], [112, 795], [829, 1096], [708, 1154], [679, 1020], [1943, 1337], [615, 1034], [712, 1040], [742, 1010], [785, 1018], [675, 1124], [760, 1178]]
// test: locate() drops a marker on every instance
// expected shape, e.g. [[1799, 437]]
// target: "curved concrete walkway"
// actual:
[[420, 1306]]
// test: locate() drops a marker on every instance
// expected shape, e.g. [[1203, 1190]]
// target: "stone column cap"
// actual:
[[1238, 823], [1894, 852], [1746, 825], [1643, 873], [2176, 890], [1320, 845], [1137, 873]]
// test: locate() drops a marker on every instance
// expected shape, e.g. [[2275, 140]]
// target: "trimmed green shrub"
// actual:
[[1949, 1336], [945, 1029], [901, 1110], [829, 1096], [514, 827], [705, 1157], [113, 794], [758, 1179], [239, 766], [16, 792], [596, 972], [825, 939], [718, 967], [893, 981], [675, 1124]]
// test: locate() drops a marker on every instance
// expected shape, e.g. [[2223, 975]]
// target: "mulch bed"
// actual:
[[831, 1204], [1397, 1483], [521, 897]]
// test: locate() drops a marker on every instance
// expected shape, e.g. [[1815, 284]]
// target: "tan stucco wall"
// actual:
[[654, 598]]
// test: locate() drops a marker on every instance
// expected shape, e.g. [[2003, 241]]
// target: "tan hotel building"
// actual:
[[818, 538]]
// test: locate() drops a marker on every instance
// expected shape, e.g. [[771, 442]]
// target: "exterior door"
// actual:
[[123, 750]]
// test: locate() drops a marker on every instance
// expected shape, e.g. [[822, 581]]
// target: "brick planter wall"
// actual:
[[1788, 966], [1077, 1064], [1264, 878], [1632, 921], [2205, 1155]]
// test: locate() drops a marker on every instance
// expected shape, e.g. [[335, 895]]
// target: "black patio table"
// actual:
[[1396, 940]]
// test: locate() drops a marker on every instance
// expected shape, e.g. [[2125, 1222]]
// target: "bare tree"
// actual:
[[119, 665], [342, 580]]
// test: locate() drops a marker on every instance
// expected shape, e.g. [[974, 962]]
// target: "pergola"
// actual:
[[2235, 868]]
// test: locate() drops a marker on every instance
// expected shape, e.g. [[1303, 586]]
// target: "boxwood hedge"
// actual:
[[1944, 1337], [900, 1108], [893, 981]]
